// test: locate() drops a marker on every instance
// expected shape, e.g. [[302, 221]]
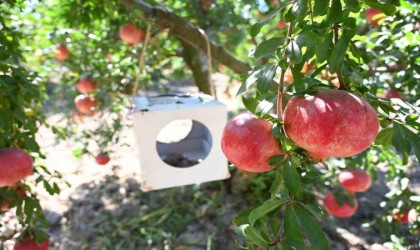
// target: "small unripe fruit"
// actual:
[[30, 244], [130, 34], [248, 143], [102, 158], [354, 180], [86, 85], [85, 104], [15, 164], [331, 123], [345, 210]]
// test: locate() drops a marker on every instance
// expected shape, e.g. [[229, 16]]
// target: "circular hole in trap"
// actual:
[[183, 143]]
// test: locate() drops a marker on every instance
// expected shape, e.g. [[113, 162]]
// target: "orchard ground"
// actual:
[[105, 209]]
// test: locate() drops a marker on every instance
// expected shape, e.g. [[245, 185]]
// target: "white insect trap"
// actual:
[[178, 140]]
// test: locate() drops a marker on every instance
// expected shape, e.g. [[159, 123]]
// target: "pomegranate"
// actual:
[[248, 143], [372, 16], [86, 85], [102, 158], [30, 244], [130, 34], [85, 104], [281, 24], [331, 123], [345, 210], [5, 204], [62, 52], [400, 217], [354, 180], [15, 164], [392, 93]]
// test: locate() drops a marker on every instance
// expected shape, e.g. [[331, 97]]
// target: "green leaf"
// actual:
[[242, 218], [324, 47], [265, 79], [400, 141], [254, 236], [335, 12], [293, 52], [292, 228], [292, 178], [250, 103], [321, 7], [268, 48], [353, 5], [307, 38], [266, 208], [311, 228], [256, 28], [388, 9], [384, 138], [305, 85], [300, 8], [338, 53]]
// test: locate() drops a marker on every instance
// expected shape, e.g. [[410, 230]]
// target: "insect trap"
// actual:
[[178, 140]]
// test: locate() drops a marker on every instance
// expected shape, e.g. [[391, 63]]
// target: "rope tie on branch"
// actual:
[[212, 86], [141, 59]]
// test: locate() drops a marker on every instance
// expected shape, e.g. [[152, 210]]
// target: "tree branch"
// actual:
[[186, 31]]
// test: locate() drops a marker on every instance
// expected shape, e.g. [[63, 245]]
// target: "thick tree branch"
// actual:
[[184, 30]]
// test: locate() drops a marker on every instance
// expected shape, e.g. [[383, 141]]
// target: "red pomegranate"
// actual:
[[15, 164], [354, 180], [331, 123], [372, 16], [30, 244], [86, 85], [345, 210], [102, 158], [62, 52], [5, 204], [130, 34], [248, 143], [85, 104], [400, 217], [281, 24], [393, 93]]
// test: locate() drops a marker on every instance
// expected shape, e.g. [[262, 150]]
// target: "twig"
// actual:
[[141, 59]]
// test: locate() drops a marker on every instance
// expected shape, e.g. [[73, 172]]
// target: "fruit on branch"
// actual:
[[393, 93], [248, 143], [130, 34], [86, 85], [344, 210], [5, 204], [15, 164], [373, 16], [205, 4], [102, 158], [400, 217], [30, 244], [354, 180], [331, 123], [281, 24], [86, 105], [61, 53]]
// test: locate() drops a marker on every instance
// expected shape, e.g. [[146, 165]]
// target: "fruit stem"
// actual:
[[339, 76], [283, 72], [324, 164]]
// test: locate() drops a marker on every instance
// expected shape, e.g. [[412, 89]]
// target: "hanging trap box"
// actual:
[[178, 140]]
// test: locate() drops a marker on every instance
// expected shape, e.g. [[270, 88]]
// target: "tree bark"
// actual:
[[198, 64], [188, 33]]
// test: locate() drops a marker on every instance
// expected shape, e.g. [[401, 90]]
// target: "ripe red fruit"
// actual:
[[372, 17], [393, 93], [85, 104], [30, 244], [248, 143], [331, 123], [86, 85], [61, 53], [354, 180], [5, 204], [402, 218], [130, 34], [345, 210], [15, 164], [281, 24], [102, 158]]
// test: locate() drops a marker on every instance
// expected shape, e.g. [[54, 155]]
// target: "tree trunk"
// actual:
[[197, 62]]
